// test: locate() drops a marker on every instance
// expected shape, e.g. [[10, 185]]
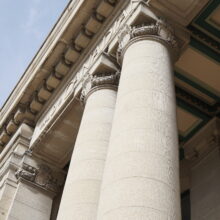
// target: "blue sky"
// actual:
[[24, 26]]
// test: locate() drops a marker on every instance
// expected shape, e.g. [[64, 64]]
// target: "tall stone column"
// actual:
[[141, 177], [82, 188]]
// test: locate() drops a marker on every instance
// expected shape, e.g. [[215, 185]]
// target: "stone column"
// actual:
[[141, 177], [82, 188]]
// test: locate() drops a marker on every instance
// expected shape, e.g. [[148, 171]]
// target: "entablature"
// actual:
[[101, 59], [85, 30], [135, 12]]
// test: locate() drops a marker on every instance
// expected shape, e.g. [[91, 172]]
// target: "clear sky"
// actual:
[[24, 24]]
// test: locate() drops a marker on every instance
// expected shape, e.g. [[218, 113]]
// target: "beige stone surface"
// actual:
[[82, 188], [30, 203], [205, 191], [10, 159], [141, 177], [6, 197], [179, 11]]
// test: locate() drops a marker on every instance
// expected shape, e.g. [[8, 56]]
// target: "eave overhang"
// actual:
[[72, 42], [63, 50]]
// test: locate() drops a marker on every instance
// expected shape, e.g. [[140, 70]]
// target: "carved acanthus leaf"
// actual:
[[98, 80], [159, 30]]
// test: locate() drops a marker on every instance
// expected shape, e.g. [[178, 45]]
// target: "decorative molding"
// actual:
[[159, 30], [75, 83], [207, 139], [196, 102], [98, 81], [58, 42], [41, 176], [204, 43], [27, 172], [203, 22], [21, 139], [204, 38]]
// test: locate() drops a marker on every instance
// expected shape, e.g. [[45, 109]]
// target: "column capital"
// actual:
[[99, 81], [158, 31]]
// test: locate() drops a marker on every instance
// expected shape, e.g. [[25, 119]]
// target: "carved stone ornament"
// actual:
[[98, 80], [160, 31], [28, 173], [41, 176]]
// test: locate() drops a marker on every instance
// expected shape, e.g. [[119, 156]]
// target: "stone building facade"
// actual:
[[117, 116]]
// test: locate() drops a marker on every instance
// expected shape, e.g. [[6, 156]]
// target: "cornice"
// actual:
[[4, 173], [53, 37], [53, 62], [73, 85], [65, 59], [107, 43], [21, 137]]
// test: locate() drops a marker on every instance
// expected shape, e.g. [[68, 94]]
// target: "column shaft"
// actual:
[[82, 188], [141, 177]]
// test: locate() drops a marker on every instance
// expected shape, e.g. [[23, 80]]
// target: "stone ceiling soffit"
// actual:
[[62, 131], [180, 11], [203, 142]]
